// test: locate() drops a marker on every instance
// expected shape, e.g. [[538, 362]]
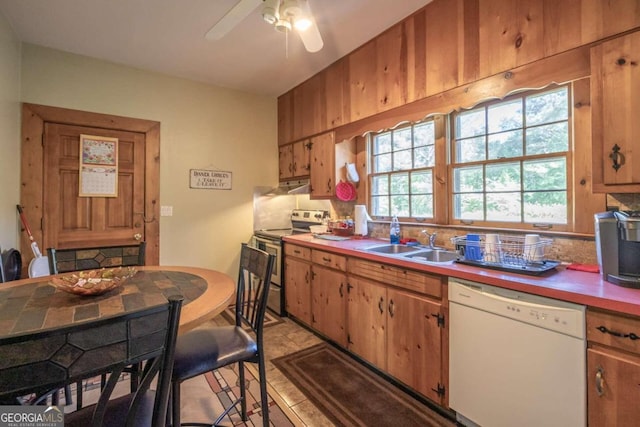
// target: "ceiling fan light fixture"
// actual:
[[283, 25], [290, 9], [303, 23], [270, 11]]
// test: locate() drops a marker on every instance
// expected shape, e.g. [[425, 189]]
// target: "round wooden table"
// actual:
[[33, 304]]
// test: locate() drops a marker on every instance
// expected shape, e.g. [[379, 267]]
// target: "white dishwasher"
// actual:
[[515, 359]]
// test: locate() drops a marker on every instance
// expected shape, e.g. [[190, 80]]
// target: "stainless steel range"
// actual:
[[270, 240]]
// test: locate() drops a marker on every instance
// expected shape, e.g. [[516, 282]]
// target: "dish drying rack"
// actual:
[[511, 253]]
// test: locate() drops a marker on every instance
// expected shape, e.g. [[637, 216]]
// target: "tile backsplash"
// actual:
[[626, 202], [566, 249]]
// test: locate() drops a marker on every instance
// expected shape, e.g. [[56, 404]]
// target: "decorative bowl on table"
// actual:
[[93, 282]]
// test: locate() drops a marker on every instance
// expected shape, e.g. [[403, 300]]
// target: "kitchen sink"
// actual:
[[433, 256], [392, 249]]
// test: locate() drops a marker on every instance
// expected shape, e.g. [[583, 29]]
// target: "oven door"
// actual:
[[273, 248]]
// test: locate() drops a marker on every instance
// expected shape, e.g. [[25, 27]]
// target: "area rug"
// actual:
[[350, 394], [270, 318], [225, 387]]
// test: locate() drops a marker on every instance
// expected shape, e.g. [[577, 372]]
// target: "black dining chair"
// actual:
[[88, 258], [206, 349], [34, 363]]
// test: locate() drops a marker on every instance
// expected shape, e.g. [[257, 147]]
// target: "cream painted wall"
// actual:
[[9, 135], [202, 127]]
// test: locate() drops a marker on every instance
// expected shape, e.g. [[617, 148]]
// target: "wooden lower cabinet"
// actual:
[[391, 317], [414, 342], [367, 321], [329, 303], [399, 332], [298, 288], [613, 369], [613, 388]]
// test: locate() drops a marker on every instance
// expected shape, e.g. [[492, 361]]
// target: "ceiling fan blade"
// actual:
[[311, 38], [231, 19]]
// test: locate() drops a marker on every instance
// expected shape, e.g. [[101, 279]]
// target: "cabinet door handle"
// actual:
[[329, 186], [600, 381], [380, 303], [341, 287], [391, 309], [326, 259], [616, 157], [630, 335], [306, 276]]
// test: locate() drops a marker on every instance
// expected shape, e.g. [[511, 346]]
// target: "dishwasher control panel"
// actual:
[[560, 316]]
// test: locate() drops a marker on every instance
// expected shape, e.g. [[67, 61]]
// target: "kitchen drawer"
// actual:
[[397, 276], [328, 259], [615, 330], [297, 251]]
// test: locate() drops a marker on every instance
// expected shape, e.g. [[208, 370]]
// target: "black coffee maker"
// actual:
[[618, 247]]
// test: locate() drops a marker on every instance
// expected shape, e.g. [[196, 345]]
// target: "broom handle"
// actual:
[[24, 222]]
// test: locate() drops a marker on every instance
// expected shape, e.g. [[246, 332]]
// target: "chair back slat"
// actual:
[[254, 280], [88, 258], [47, 360]]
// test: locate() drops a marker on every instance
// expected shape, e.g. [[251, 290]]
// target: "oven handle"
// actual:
[[268, 243]]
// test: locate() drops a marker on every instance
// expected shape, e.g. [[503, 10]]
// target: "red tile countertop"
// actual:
[[568, 285]]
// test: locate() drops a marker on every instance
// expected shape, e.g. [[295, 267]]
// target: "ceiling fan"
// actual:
[[284, 15]]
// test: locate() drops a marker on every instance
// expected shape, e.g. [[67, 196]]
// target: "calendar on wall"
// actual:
[[98, 166]]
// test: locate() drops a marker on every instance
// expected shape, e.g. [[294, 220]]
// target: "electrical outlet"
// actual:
[[166, 210]]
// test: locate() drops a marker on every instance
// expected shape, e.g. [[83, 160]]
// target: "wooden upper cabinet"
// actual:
[[323, 166], [285, 118], [285, 161], [615, 81], [301, 158], [294, 160]]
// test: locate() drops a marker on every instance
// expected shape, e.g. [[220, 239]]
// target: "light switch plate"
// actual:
[[166, 210]]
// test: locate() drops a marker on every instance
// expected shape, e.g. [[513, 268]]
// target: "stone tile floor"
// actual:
[[198, 404], [280, 339]]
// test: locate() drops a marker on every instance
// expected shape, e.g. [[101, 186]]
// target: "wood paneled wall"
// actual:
[[445, 45]]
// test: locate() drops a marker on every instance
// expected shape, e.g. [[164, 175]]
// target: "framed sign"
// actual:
[[209, 179], [98, 166]]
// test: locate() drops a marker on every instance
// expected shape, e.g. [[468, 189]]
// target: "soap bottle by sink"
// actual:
[[394, 231]]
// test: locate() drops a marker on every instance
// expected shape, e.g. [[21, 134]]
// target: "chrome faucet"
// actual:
[[431, 238]]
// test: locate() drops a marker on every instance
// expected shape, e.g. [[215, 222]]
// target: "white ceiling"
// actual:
[[167, 36]]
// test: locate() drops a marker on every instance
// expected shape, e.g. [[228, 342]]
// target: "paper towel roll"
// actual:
[[360, 220]]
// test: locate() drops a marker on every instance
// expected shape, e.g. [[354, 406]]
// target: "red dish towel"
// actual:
[[589, 268]]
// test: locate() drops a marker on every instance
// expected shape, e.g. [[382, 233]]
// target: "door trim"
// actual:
[[32, 166]]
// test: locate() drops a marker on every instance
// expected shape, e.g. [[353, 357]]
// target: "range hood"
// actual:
[[290, 187]]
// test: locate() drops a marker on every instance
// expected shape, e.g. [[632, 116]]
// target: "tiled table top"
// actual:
[[33, 304]]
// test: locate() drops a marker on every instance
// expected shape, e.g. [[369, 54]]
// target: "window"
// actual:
[[509, 160], [402, 163]]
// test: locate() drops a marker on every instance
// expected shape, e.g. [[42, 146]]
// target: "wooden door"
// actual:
[[328, 303], [122, 218], [367, 321], [73, 221], [414, 342], [613, 388], [298, 289]]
